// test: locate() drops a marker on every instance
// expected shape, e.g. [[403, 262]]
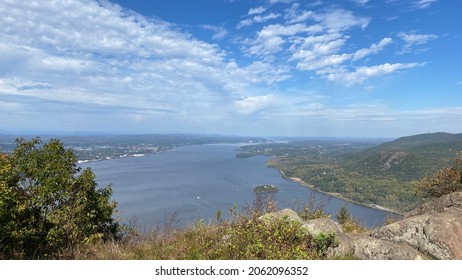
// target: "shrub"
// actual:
[[347, 222], [48, 205], [245, 237], [252, 238], [443, 182], [343, 215]]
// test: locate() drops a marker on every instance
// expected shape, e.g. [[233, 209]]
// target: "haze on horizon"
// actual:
[[356, 68]]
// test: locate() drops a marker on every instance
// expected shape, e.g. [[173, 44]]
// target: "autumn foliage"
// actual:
[[443, 182]]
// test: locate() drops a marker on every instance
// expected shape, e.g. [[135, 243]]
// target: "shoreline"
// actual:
[[337, 195]]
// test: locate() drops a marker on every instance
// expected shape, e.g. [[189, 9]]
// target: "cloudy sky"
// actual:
[[265, 68]]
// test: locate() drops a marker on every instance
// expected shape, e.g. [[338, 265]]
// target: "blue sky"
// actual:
[[265, 68]]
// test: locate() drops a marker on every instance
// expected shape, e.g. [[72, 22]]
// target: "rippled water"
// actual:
[[193, 182]]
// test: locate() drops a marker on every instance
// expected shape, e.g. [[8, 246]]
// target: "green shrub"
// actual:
[[48, 205], [244, 238], [251, 238], [343, 215], [347, 222]]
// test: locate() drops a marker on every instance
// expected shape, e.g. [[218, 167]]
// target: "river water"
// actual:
[[194, 182]]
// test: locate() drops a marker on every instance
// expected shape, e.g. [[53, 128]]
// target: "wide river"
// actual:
[[194, 182]]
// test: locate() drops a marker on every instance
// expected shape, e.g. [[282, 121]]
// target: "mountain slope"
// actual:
[[385, 175], [407, 158]]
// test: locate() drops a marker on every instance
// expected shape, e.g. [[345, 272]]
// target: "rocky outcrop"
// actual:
[[360, 246], [439, 205], [322, 225], [284, 213], [388, 159], [434, 230], [366, 247]]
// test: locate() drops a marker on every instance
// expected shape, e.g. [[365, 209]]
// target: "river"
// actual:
[[194, 182]]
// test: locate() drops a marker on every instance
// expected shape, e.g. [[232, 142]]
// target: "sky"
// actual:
[[351, 68]]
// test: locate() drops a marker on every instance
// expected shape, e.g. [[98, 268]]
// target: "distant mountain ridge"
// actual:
[[410, 143], [410, 157]]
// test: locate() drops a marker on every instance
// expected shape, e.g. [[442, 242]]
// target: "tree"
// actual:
[[348, 223], [343, 216], [446, 181], [48, 205]]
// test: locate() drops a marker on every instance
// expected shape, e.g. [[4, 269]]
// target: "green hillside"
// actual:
[[430, 142], [385, 174], [407, 158], [415, 142]]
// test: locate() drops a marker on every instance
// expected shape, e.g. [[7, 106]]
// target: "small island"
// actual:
[[265, 189]]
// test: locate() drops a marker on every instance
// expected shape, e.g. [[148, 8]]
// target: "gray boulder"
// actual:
[[361, 246], [322, 225], [284, 213], [434, 229], [439, 205], [368, 248]]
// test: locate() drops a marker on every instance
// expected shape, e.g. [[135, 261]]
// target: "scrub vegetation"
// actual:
[[246, 236]]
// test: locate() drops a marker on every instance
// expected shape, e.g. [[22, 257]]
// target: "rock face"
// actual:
[[369, 248], [360, 246], [433, 230], [439, 205]]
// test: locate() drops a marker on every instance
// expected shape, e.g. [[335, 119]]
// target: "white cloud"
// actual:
[[333, 20], [280, 1], [422, 4], [95, 53], [87, 57], [219, 32], [360, 74], [373, 49], [256, 72], [383, 69], [304, 16], [257, 19], [312, 50], [316, 46], [340, 20], [361, 2], [416, 39], [271, 38], [253, 104], [412, 39], [257, 10], [324, 62], [266, 46], [287, 30], [118, 32]]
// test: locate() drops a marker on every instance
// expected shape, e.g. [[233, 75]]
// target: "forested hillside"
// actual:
[[407, 158], [385, 174]]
